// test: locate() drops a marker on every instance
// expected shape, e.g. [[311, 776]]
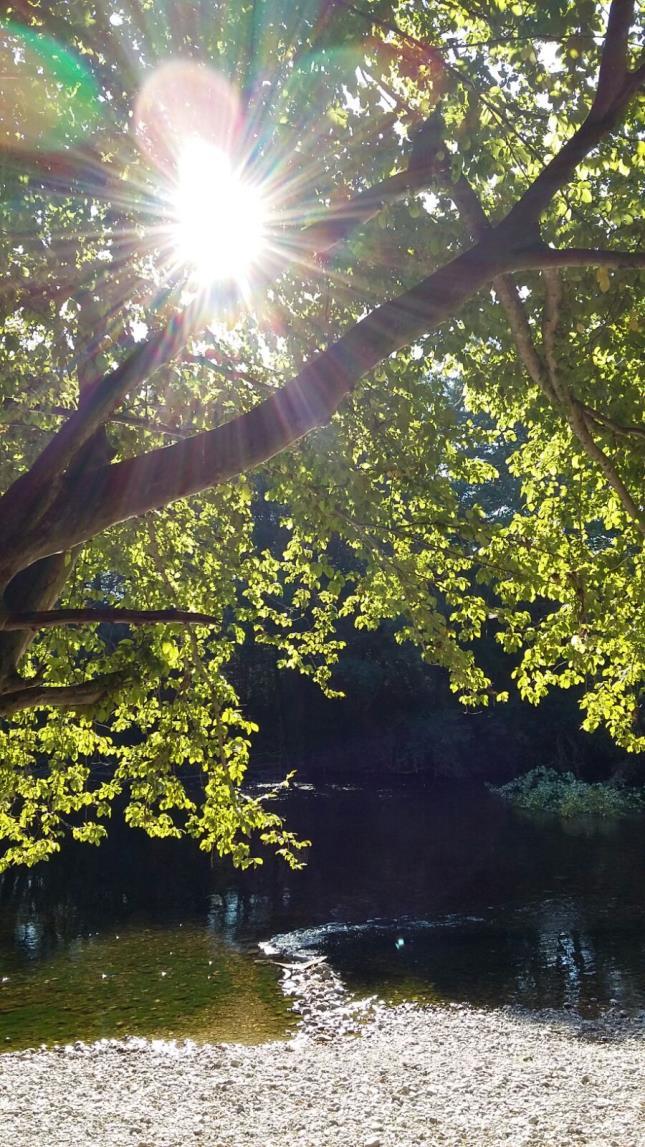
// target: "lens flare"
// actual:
[[179, 101], [48, 97], [219, 219]]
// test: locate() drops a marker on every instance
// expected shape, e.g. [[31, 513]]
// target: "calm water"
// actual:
[[410, 894]]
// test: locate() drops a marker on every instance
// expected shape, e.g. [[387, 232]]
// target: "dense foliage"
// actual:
[[547, 790], [454, 201]]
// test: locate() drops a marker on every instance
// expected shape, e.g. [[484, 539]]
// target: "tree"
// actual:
[[451, 274]]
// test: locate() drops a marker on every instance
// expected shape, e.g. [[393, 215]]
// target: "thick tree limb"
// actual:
[[588, 257], [613, 60], [35, 491], [132, 487], [43, 619], [614, 89], [59, 696]]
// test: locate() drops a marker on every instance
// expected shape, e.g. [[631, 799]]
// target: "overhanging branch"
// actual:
[[130, 488], [60, 696]]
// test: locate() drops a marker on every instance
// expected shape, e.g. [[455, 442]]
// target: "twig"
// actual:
[[573, 409], [41, 619]]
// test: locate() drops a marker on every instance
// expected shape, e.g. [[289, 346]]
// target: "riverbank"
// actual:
[[444, 1076]]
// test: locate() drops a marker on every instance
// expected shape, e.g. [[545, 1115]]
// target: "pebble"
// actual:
[[478, 1077]]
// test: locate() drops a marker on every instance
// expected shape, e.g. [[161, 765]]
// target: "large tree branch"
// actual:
[[43, 619], [130, 488], [35, 490], [612, 72], [588, 257], [59, 696], [614, 89]]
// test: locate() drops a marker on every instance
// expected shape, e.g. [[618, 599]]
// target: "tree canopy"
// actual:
[[427, 361]]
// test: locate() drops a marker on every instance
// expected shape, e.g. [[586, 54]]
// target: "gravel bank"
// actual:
[[413, 1078]]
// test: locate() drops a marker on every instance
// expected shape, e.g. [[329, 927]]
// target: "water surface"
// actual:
[[409, 892]]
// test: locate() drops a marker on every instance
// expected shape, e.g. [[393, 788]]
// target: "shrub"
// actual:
[[547, 790]]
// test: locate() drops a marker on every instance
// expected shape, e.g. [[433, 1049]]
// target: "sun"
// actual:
[[219, 217]]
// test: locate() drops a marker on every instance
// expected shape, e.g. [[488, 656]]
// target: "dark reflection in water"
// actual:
[[467, 901]]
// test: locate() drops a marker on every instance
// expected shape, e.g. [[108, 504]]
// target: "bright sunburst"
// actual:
[[219, 221]]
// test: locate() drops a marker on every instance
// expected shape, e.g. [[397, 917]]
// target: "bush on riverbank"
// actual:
[[547, 790]]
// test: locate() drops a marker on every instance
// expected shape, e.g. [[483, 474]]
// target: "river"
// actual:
[[410, 893]]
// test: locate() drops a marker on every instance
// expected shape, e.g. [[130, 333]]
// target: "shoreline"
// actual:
[[406, 1076]]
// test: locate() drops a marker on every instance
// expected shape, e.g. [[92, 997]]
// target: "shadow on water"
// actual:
[[409, 893]]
